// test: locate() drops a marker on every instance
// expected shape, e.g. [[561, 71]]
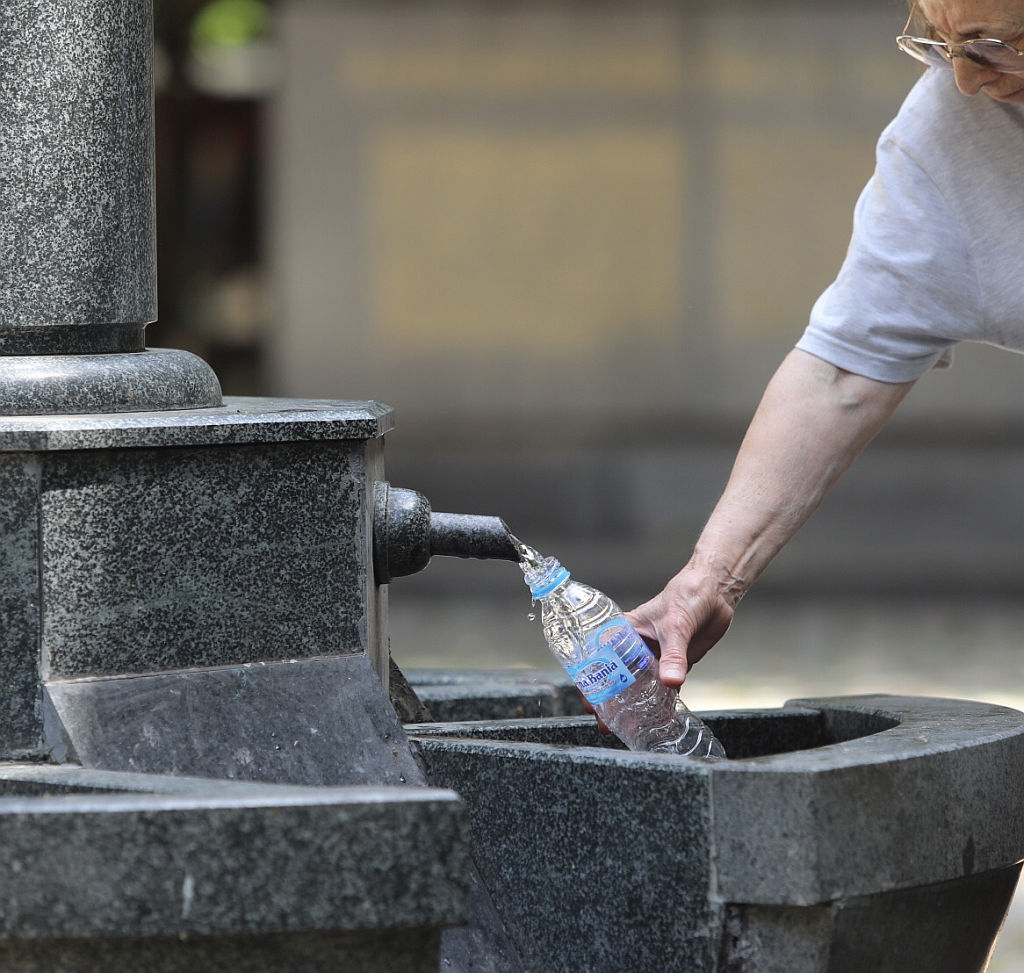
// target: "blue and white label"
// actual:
[[614, 653], [601, 677]]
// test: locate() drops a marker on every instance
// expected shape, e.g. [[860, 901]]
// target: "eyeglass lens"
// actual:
[[991, 54]]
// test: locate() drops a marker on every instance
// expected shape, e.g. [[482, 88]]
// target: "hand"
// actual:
[[684, 621]]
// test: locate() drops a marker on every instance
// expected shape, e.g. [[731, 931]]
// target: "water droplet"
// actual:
[[532, 616]]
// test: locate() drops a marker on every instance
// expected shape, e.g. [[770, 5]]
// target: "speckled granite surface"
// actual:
[[153, 541], [78, 215], [76, 173]]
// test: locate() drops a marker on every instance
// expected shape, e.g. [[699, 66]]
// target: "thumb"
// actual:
[[673, 666]]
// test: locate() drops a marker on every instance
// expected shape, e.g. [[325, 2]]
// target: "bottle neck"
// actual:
[[545, 577], [550, 583]]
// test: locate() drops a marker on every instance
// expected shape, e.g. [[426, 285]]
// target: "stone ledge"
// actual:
[[240, 419], [454, 695], [101, 857]]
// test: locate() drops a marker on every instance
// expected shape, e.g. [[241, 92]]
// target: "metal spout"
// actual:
[[407, 533]]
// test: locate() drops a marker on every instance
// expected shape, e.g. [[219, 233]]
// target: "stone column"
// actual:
[[77, 215]]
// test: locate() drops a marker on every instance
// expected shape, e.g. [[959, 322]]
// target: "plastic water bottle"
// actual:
[[611, 664]]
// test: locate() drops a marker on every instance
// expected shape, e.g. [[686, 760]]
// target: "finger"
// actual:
[[647, 631], [670, 649]]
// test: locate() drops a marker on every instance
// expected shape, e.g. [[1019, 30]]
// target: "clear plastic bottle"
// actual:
[[611, 664]]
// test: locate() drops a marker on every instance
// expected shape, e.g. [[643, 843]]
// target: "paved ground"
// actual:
[[775, 651]]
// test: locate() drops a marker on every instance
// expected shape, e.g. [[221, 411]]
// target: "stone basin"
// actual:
[[849, 834]]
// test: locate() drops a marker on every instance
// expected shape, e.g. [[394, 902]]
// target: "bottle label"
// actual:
[[614, 653], [601, 677]]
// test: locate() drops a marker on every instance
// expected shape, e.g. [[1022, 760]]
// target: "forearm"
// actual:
[[813, 421]]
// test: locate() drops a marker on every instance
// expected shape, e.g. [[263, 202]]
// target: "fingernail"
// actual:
[[673, 670]]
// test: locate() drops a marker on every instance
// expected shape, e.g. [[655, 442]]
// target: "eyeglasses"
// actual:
[[987, 52]]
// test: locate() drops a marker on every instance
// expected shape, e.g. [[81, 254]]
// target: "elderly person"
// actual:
[[936, 257]]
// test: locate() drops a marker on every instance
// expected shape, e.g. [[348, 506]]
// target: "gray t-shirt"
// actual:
[[937, 252]]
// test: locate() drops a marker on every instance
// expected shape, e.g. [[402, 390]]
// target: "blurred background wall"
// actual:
[[569, 242]]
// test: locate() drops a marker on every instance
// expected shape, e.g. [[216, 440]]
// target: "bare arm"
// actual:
[[812, 423]]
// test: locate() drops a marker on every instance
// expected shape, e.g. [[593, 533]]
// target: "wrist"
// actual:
[[721, 572]]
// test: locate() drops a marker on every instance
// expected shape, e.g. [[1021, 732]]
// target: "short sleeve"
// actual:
[[907, 291]]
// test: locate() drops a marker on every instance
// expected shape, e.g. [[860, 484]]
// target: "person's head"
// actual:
[[942, 32]]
